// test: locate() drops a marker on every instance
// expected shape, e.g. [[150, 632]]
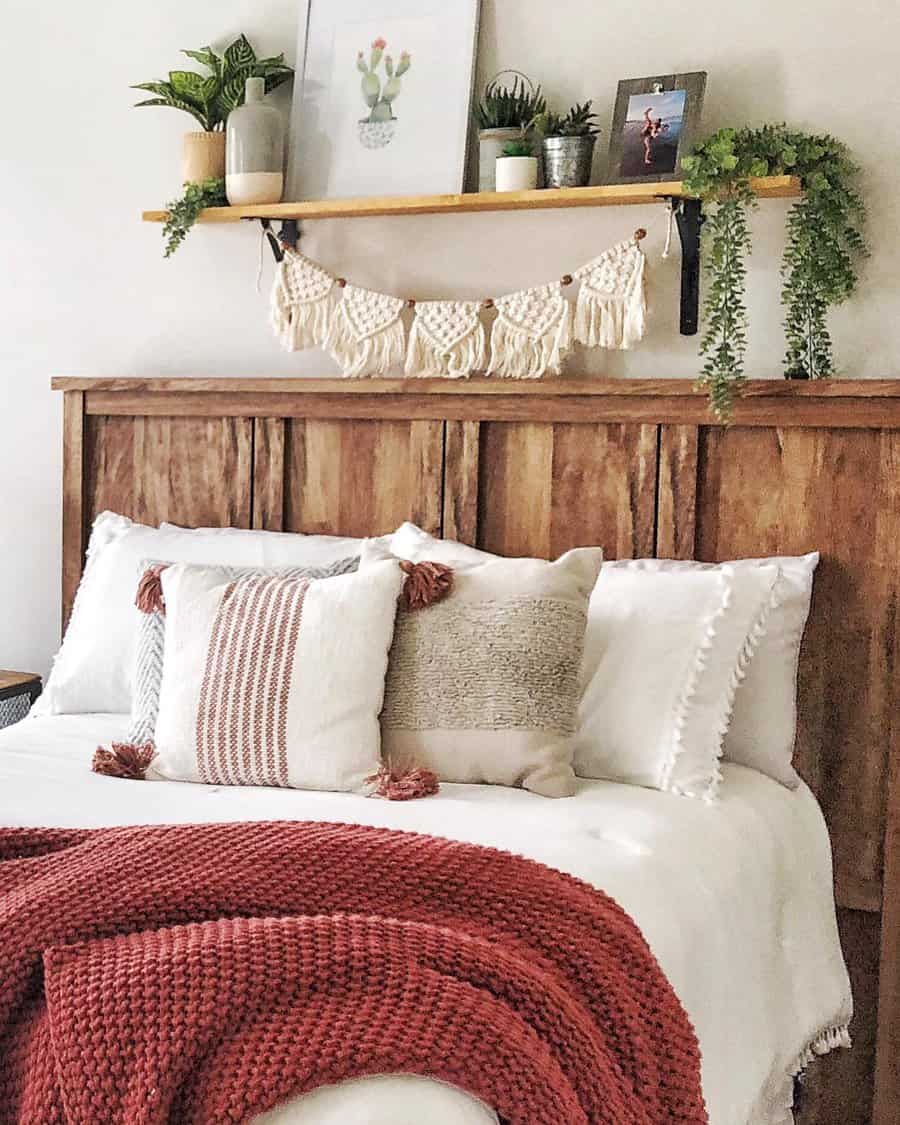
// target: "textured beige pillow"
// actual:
[[484, 685]]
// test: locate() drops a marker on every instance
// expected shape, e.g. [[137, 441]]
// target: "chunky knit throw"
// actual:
[[204, 973]]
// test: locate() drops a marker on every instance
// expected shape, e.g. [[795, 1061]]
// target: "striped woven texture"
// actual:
[[150, 648], [205, 973], [243, 709]]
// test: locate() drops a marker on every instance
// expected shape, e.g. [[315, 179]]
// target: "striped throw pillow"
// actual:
[[272, 679], [150, 641]]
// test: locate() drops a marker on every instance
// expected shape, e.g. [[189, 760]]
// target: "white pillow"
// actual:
[[664, 654], [274, 679], [93, 669], [763, 726]]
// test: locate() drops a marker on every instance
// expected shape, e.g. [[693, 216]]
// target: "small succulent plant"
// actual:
[[510, 107], [578, 122], [380, 93], [520, 147]]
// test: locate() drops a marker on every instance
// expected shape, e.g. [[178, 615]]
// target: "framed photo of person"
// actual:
[[384, 104], [655, 122]]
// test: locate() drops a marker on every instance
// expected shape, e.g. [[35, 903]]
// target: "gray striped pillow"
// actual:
[[151, 639]]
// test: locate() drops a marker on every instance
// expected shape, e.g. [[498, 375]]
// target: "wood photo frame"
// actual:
[[655, 122]]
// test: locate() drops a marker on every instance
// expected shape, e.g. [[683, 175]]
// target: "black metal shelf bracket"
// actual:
[[289, 235], [689, 219]]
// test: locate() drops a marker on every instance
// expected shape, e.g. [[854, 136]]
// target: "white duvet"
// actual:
[[734, 899]]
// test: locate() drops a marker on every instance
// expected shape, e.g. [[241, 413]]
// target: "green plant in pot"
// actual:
[[209, 98], [568, 145], [502, 114], [517, 166], [824, 245]]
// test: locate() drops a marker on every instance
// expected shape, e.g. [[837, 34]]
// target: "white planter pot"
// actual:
[[517, 173], [490, 146]]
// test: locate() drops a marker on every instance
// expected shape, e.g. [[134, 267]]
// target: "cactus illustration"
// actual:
[[380, 95]]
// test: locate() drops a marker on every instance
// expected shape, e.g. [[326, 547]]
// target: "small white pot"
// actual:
[[517, 173]]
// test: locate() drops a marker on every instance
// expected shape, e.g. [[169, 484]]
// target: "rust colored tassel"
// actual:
[[404, 784], [426, 583], [150, 592], [124, 760]]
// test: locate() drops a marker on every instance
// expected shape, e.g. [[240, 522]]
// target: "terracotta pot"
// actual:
[[203, 157]]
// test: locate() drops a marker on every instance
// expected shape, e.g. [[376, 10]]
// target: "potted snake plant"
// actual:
[[568, 146]]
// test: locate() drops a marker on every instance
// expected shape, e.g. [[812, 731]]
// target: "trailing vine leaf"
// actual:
[[183, 212], [824, 243]]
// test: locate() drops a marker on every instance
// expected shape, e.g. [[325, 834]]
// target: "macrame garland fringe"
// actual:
[[366, 335], [517, 353], [427, 357], [124, 760], [611, 308], [302, 303]]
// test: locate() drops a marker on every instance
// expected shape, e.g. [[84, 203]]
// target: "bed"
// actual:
[[638, 468], [710, 887]]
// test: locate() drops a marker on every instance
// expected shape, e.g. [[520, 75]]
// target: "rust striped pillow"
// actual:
[[273, 679]]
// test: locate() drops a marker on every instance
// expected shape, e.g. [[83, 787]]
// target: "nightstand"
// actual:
[[18, 690]]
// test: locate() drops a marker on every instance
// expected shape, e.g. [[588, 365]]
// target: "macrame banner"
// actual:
[[532, 332], [447, 339], [610, 311], [301, 303], [367, 336]]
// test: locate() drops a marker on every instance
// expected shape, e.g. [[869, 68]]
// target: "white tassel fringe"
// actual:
[[519, 350], [301, 304], [611, 308], [428, 356], [366, 336]]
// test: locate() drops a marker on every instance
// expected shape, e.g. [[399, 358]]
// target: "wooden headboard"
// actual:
[[635, 466]]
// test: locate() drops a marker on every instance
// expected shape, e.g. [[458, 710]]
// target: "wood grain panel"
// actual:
[[73, 516], [546, 488], [676, 512], [268, 474], [349, 477], [192, 471], [461, 459]]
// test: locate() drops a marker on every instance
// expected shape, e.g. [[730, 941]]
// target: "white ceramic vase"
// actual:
[[517, 173]]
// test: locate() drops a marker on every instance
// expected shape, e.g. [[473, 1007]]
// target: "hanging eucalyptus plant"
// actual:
[[824, 244]]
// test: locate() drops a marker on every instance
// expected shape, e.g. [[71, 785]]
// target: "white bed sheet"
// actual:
[[734, 899]]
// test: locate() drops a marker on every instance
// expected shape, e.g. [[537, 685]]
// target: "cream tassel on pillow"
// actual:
[[367, 336], [611, 310], [532, 333], [301, 302], [446, 339]]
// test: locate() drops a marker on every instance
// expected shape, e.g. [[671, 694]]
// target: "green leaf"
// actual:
[[273, 81], [188, 85], [206, 56], [239, 55]]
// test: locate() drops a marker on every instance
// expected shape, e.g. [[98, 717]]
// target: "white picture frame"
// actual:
[[371, 119]]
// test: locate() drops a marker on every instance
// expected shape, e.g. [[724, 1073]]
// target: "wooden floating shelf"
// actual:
[[608, 195]]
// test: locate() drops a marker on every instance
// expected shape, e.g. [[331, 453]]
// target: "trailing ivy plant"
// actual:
[[183, 212], [824, 244], [209, 98]]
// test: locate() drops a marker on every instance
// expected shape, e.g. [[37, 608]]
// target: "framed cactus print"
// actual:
[[384, 104]]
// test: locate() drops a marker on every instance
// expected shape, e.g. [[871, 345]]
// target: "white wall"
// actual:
[[84, 289]]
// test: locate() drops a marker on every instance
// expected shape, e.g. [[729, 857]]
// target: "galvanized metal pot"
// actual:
[[567, 161]]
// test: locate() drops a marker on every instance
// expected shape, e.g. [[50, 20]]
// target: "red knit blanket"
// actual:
[[204, 973]]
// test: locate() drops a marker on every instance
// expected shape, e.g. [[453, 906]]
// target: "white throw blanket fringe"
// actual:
[[447, 339], [611, 309], [302, 303]]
